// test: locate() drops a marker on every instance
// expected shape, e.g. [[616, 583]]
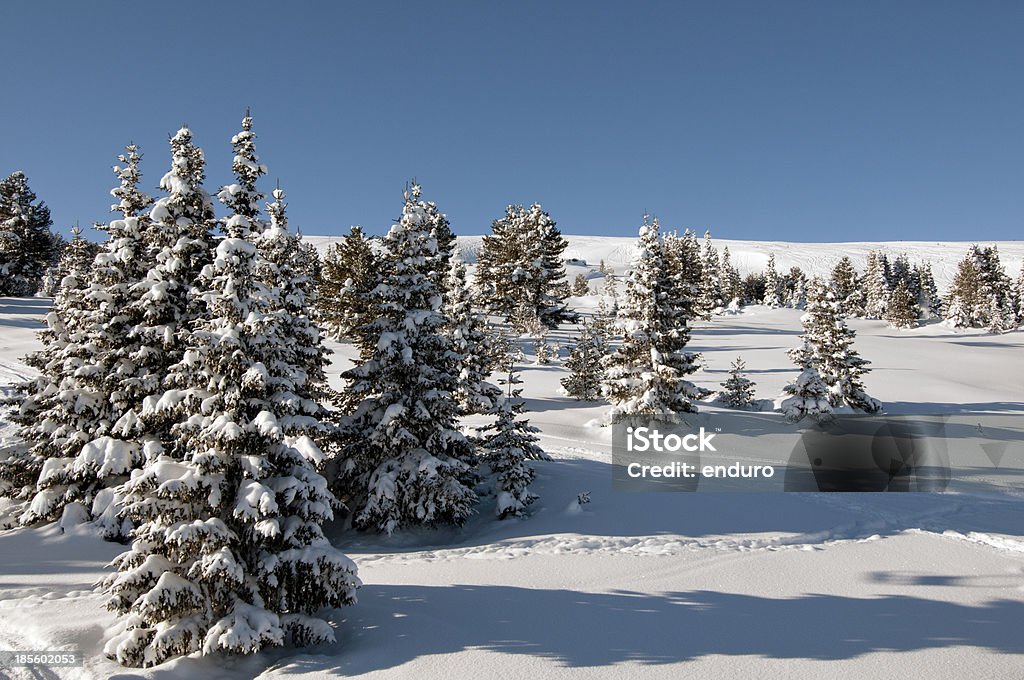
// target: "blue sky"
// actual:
[[812, 121]]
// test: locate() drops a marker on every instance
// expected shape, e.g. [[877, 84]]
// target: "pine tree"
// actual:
[[809, 393], [511, 443], [181, 245], [520, 263], [772, 286], [796, 288], [229, 553], [710, 295], [682, 262], [1019, 294], [900, 271], [84, 253], [903, 311], [967, 305], [350, 273], [542, 351], [579, 286], [754, 288], [608, 290], [928, 298], [732, 285], [27, 245], [646, 375], [833, 355], [285, 268], [1002, 317], [605, 314], [996, 288], [472, 341], [403, 460], [584, 364], [54, 415], [739, 390], [104, 374], [846, 288], [876, 287]]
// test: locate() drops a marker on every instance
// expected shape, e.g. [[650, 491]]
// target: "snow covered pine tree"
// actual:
[[646, 375], [809, 393], [830, 343], [511, 442], [739, 390], [584, 364], [229, 554], [27, 246], [472, 341], [403, 460]]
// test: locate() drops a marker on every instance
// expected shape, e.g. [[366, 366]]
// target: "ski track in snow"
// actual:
[[874, 524]]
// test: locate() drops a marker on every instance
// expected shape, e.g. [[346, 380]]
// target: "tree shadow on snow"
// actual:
[[395, 624]]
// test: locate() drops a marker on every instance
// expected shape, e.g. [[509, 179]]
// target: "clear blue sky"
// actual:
[[771, 120]]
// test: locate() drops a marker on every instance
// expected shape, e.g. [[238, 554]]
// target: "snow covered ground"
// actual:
[[705, 585], [815, 259]]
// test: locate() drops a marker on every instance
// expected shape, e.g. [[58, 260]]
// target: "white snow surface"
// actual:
[[631, 585]]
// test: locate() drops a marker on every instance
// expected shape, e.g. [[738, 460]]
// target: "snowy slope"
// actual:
[[716, 585], [815, 259]]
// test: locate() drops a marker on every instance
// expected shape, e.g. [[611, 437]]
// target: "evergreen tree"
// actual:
[[511, 443], [104, 372], [646, 375], [754, 288], [608, 290], [732, 285], [681, 259], [520, 263], [903, 311], [284, 267], [605, 314], [579, 286], [846, 288], [542, 351], [996, 287], [772, 286], [54, 415], [928, 298], [181, 244], [967, 305], [229, 553], [833, 355], [584, 364], [27, 245], [710, 295], [876, 287], [1002, 317], [404, 461], [900, 272], [739, 390], [83, 256], [350, 273], [472, 342], [809, 395], [796, 288], [1019, 294]]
